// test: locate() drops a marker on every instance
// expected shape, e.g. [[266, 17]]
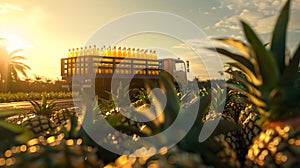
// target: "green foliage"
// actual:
[[23, 96], [12, 133], [45, 108], [270, 81]]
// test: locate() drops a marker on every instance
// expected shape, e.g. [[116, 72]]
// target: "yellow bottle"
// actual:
[[124, 54], [90, 51], [155, 57], [119, 52], [129, 53], [69, 53], [77, 52], [103, 51], [73, 52], [115, 51], [81, 52], [97, 52], [133, 53], [109, 52], [94, 52]]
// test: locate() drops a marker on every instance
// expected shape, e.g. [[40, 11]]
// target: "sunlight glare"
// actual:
[[15, 42]]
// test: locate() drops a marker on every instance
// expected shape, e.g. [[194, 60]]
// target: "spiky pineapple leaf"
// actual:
[[255, 99], [279, 37], [247, 84], [10, 131], [241, 46], [290, 73], [44, 108], [265, 60], [239, 58], [36, 106], [256, 79]]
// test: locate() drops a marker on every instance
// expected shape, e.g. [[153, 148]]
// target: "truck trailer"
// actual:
[[98, 70]]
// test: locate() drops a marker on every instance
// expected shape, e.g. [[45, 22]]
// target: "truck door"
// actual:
[[176, 68], [179, 73]]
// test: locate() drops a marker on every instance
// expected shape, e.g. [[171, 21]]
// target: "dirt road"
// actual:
[[25, 105]]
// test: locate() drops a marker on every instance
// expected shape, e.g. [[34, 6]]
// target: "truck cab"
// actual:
[[177, 71]]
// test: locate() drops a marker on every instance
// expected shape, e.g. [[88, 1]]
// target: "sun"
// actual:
[[14, 42]]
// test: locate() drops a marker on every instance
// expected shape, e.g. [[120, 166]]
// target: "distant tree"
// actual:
[[38, 78], [12, 65], [48, 80]]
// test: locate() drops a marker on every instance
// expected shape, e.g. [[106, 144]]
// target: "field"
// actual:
[[252, 120]]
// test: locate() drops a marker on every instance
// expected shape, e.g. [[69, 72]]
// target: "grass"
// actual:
[[23, 96]]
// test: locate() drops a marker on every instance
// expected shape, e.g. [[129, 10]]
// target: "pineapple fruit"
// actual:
[[63, 117], [51, 152], [39, 125], [270, 84], [40, 122]]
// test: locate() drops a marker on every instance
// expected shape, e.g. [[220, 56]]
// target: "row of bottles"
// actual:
[[115, 52], [107, 70]]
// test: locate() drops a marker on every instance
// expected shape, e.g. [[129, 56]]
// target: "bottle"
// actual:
[[115, 51], [119, 52], [73, 52], [69, 53], [126, 62], [154, 55], [150, 55], [124, 54], [85, 52], [146, 55], [142, 54], [94, 52], [104, 51], [109, 52], [97, 52], [77, 52], [81, 52], [129, 53], [90, 51], [133, 53], [138, 53]]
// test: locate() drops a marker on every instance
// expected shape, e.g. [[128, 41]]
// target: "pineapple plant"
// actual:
[[215, 151], [270, 84], [40, 123], [244, 114], [51, 152], [63, 117], [65, 148], [228, 139]]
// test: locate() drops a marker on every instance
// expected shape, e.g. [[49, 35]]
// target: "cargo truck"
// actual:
[[97, 71]]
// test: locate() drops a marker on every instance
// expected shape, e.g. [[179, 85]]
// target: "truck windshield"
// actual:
[[179, 66]]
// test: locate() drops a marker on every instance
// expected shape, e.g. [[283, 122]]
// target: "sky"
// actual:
[[47, 29]]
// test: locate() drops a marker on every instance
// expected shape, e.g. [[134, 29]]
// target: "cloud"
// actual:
[[7, 7], [203, 60], [261, 15]]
